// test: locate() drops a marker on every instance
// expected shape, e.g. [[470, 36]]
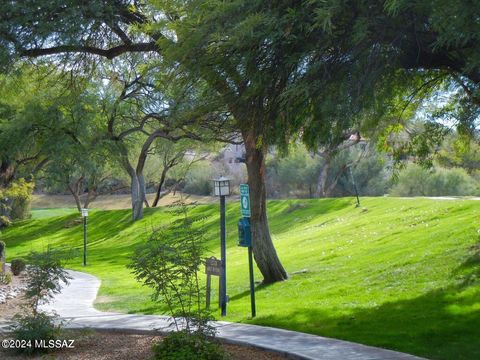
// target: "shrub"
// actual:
[[2, 249], [199, 181], [417, 181], [45, 276], [17, 266], [39, 326], [16, 199], [182, 345], [4, 221], [2, 256], [5, 278]]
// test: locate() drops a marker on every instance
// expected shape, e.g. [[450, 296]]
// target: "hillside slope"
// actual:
[[397, 273]]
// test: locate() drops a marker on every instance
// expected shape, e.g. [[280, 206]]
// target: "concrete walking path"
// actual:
[[75, 304]]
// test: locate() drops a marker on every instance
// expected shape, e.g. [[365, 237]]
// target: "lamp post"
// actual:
[[222, 189], [354, 186], [84, 215]]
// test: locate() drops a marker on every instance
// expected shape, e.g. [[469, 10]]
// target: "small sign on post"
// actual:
[[245, 200], [213, 266]]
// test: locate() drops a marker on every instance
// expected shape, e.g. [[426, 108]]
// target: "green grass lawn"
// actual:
[[403, 274]]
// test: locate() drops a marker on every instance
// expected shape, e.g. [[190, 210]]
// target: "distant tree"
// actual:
[[30, 119], [415, 180], [458, 152], [178, 157], [140, 111], [291, 175]]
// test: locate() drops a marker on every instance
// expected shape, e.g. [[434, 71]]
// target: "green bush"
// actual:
[[417, 181], [16, 199], [37, 327], [4, 221], [183, 345], [17, 266], [2, 249], [199, 181], [5, 278]]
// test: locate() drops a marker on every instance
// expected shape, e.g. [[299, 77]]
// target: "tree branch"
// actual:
[[107, 53]]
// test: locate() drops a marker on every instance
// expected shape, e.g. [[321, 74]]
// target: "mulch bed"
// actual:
[[92, 345]]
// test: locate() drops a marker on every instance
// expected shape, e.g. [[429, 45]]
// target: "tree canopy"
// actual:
[[257, 72]]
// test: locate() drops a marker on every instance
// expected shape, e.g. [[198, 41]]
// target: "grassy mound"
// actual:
[[402, 274]]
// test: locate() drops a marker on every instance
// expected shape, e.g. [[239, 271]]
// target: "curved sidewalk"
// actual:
[[75, 304]]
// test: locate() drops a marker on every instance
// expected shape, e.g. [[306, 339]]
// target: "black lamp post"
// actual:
[[222, 189], [84, 215]]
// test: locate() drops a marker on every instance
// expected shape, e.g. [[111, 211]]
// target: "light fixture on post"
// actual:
[[221, 187], [84, 215]]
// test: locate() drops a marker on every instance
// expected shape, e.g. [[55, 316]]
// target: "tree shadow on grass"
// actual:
[[258, 288], [442, 324], [469, 272], [284, 216]]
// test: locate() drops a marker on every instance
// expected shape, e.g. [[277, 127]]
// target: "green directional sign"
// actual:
[[245, 200]]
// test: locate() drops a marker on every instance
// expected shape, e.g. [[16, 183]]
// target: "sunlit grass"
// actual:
[[396, 273]]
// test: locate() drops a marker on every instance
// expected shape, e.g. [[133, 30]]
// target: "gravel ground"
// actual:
[[12, 306]]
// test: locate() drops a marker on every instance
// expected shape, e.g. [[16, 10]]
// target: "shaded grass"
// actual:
[[398, 273]]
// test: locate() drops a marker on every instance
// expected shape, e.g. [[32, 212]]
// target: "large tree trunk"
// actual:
[[322, 178], [160, 186], [78, 203], [263, 249], [75, 191], [137, 190], [92, 194], [7, 174], [333, 184], [138, 195]]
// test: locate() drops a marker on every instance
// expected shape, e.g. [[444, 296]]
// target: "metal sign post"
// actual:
[[246, 239], [252, 282]]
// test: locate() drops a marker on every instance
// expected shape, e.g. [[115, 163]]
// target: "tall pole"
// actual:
[[252, 282], [223, 280], [354, 187], [84, 241]]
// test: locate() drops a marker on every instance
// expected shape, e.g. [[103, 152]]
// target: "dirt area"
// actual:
[[91, 345], [113, 202]]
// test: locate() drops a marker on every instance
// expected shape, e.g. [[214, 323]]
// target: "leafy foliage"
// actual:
[[15, 200], [182, 345], [36, 327], [169, 263], [199, 181], [5, 278], [17, 266], [45, 276], [418, 181]]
